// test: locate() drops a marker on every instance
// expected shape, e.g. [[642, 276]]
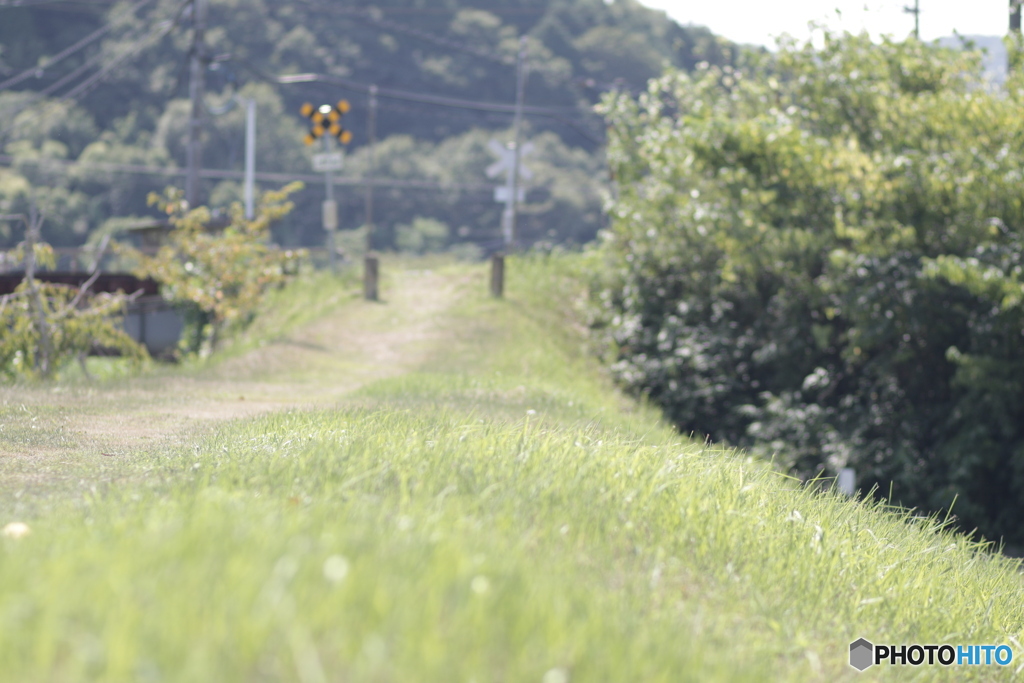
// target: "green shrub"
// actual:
[[817, 256], [217, 278], [44, 326], [422, 236]]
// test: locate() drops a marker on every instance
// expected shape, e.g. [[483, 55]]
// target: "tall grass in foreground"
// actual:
[[496, 517]]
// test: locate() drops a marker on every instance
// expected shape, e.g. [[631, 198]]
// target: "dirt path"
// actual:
[[316, 365]]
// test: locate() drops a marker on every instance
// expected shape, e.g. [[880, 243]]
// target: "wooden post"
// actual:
[[370, 276], [497, 275]]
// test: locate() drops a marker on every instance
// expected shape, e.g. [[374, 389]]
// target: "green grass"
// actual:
[[501, 515], [300, 302]]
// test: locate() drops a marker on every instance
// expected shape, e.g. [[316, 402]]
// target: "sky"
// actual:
[[758, 22]]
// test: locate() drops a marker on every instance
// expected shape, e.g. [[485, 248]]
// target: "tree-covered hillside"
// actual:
[[121, 100]]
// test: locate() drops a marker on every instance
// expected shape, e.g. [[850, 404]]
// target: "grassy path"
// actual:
[[65, 431], [444, 488]]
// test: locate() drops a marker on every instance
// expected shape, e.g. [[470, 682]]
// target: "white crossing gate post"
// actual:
[[511, 192]]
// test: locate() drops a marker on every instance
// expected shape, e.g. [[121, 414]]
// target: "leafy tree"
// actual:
[[217, 276], [47, 325], [817, 256]]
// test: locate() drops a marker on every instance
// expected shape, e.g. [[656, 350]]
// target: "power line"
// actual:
[[374, 17], [163, 28], [424, 98], [50, 89], [227, 174], [561, 114], [435, 10], [62, 81], [38, 71], [394, 93], [19, 4], [578, 125]]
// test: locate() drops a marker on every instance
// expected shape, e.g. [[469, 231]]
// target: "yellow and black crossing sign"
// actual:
[[327, 119]]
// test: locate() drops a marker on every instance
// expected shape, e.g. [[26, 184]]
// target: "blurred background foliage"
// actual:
[[137, 115], [817, 255]]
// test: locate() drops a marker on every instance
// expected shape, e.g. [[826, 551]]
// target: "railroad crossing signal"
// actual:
[[327, 119], [511, 193], [507, 160]]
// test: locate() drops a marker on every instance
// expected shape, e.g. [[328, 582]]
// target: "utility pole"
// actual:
[[196, 85], [330, 211], [916, 11], [1013, 51], [371, 266], [371, 135], [250, 159], [510, 235]]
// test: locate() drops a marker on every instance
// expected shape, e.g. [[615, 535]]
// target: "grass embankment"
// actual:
[[499, 515]]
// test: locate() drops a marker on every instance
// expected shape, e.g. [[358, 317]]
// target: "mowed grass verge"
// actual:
[[501, 515]]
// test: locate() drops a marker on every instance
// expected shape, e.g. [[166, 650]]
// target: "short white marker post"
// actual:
[[847, 481]]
